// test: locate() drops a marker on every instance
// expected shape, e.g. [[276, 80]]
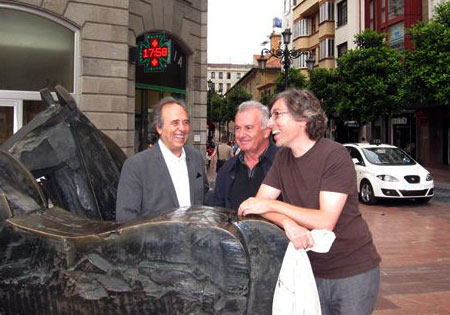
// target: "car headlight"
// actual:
[[387, 178], [429, 177]]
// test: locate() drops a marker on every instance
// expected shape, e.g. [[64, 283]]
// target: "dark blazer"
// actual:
[[145, 183]]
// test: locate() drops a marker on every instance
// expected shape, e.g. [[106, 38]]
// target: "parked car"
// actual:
[[386, 171]]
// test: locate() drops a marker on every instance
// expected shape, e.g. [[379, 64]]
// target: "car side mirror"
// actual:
[[356, 162]]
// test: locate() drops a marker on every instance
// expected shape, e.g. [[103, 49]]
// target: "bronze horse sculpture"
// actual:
[[61, 252]]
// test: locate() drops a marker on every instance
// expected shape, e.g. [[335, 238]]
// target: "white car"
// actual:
[[385, 171]]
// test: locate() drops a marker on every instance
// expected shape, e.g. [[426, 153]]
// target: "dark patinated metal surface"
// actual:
[[80, 164], [199, 260], [196, 260]]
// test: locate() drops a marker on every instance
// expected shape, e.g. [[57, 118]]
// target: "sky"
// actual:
[[236, 28]]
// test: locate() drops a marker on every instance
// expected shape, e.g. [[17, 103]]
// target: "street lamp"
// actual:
[[286, 56]]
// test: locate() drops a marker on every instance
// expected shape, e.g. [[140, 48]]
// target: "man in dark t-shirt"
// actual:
[[317, 180]]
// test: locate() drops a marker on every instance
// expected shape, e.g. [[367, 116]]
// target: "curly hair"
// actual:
[[303, 105]]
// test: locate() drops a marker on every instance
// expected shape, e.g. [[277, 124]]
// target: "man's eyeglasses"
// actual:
[[276, 114]]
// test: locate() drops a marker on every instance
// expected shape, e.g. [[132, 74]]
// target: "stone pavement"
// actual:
[[414, 243]]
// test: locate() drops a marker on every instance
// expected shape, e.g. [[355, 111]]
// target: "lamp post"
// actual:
[[286, 56]]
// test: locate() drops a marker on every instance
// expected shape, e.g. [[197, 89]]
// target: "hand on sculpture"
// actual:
[[253, 206]]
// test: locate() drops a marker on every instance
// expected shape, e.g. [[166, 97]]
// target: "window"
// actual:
[[238, 75], [342, 13], [220, 87], [372, 24], [36, 51], [220, 75], [326, 47], [301, 61], [314, 24], [213, 86], [396, 35], [301, 27], [341, 49], [395, 8], [326, 12], [213, 75], [383, 11], [228, 86], [228, 75]]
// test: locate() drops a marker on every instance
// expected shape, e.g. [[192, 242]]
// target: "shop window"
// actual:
[[35, 52], [342, 13]]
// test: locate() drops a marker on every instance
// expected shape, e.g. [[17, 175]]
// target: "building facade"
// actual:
[[224, 76], [117, 58]]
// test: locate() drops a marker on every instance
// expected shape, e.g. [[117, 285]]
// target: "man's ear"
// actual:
[[267, 132], [159, 129]]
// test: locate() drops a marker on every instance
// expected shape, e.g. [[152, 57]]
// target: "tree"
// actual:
[[233, 99], [370, 80], [428, 66], [296, 79], [324, 83]]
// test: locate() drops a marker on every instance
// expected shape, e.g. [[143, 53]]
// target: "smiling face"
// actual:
[[175, 127], [285, 129], [249, 134]]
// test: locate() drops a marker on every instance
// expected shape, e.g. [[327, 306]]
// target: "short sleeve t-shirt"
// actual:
[[327, 166]]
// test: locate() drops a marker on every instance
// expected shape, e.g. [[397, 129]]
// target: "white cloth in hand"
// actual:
[[296, 290]]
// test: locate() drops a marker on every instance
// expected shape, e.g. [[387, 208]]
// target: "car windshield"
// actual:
[[387, 156]]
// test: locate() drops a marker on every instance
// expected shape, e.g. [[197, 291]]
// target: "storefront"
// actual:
[[86, 47], [160, 72]]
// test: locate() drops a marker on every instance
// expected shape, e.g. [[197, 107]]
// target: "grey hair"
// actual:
[[157, 112], [265, 114]]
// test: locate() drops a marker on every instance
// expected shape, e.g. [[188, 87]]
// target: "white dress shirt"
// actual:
[[178, 173]]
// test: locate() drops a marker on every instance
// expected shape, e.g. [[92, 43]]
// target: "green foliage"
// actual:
[[295, 80], [369, 39], [428, 66], [233, 99], [218, 106], [324, 83], [266, 99], [370, 80]]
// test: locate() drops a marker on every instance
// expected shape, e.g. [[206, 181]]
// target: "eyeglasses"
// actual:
[[276, 114]]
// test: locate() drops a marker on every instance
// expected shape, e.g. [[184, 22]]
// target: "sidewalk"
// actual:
[[441, 177]]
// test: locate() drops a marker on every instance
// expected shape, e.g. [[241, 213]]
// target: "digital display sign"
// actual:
[[155, 52]]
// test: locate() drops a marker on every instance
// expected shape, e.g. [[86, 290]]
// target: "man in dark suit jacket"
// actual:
[[171, 174]]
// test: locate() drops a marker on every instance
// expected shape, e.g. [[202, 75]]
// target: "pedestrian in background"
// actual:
[[224, 152]]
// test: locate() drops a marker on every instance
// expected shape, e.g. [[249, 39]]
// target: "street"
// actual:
[[414, 243]]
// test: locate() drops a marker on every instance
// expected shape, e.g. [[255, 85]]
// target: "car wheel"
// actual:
[[423, 200], [366, 194]]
